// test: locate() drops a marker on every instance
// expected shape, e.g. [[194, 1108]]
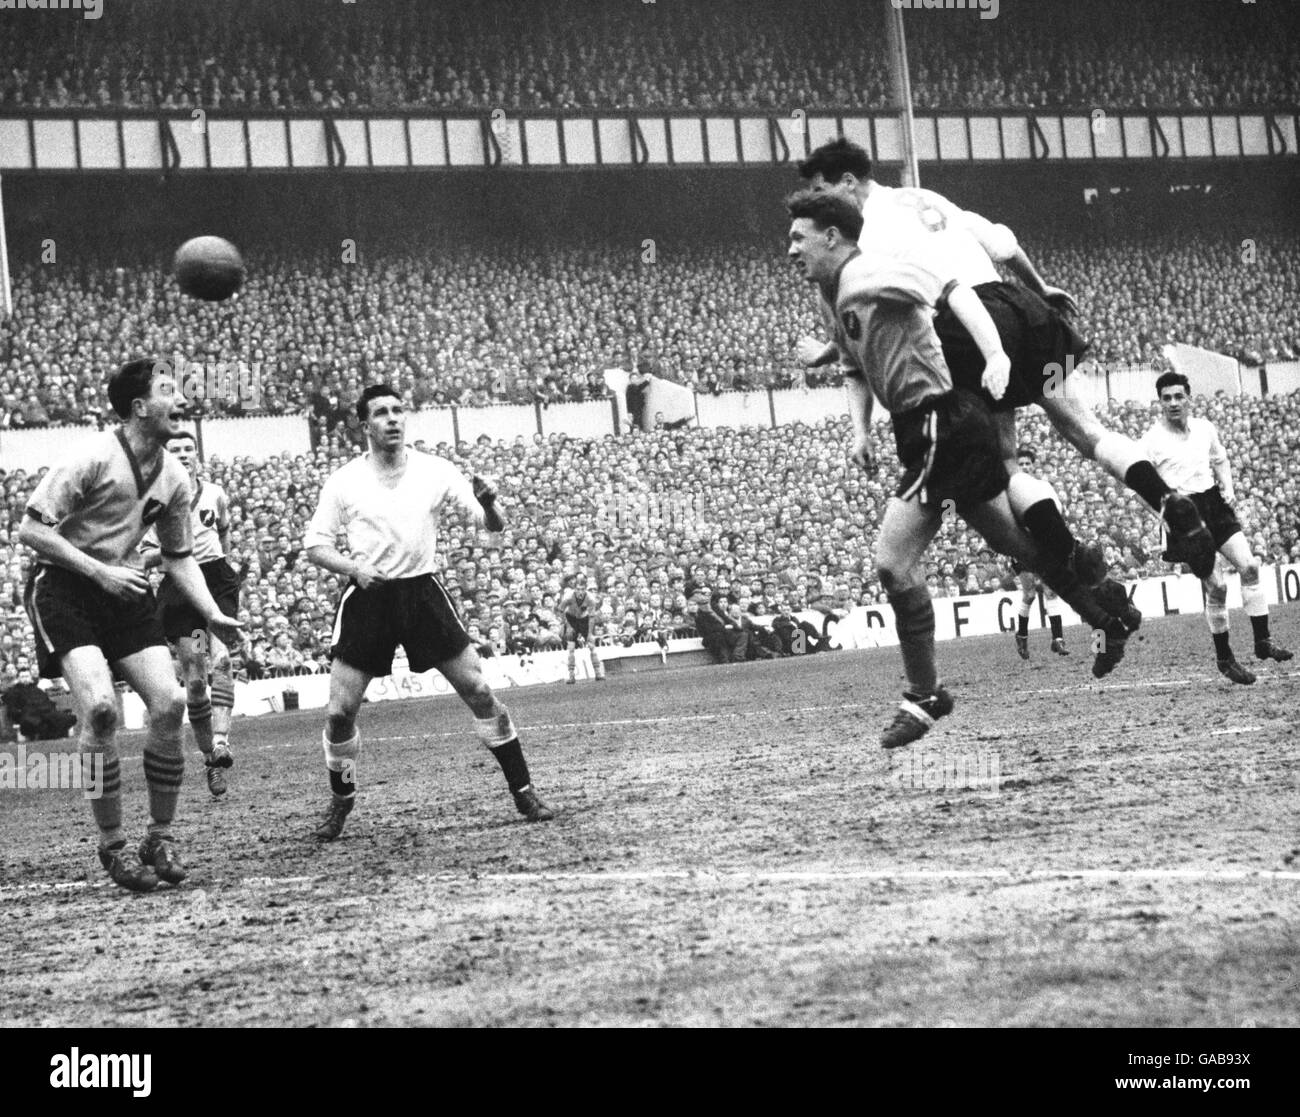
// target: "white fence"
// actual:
[[262, 437]]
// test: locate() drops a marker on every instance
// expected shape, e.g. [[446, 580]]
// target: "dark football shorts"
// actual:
[[949, 450], [179, 617], [577, 628], [69, 611], [1220, 520], [1036, 338], [416, 613]]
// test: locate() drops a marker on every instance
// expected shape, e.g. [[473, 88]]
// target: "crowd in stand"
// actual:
[[666, 523], [302, 55], [476, 326]]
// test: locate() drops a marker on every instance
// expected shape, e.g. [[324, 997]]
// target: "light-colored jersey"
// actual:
[[101, 501], [571, 607], [391, 527], [206, 523], [883, 310], [898, 220], [1185, 459]]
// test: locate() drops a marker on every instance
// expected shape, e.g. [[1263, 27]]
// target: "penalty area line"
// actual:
[[737, 877]]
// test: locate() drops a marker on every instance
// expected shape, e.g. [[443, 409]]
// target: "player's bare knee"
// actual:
[[168, 710], [103, 718], [1250, 572], [1216, 592], [196, 690], [478, 697]]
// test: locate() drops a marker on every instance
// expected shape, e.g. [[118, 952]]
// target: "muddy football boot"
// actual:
[[159, 851], [134, 878], [916, 715], [331, 826], [531, 807]]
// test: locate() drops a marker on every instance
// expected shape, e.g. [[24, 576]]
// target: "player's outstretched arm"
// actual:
[[1024, 270], [970, 313], [120, 581], [186, 574], [1003, 248]]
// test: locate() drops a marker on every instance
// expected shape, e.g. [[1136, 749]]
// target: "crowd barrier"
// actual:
[[868, 626], [260, 437]]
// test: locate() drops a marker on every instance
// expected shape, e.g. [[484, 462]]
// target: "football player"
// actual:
[[881, 310], [386, 503], [94, 613], [1033, 320], [201, 651], [1187, 451]]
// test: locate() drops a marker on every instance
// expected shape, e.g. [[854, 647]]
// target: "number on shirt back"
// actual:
[[926, 211]]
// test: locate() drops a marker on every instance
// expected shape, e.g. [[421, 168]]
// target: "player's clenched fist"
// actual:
[[485, 489], [863, 450], [124, 582], [810, 351], [366, 576]]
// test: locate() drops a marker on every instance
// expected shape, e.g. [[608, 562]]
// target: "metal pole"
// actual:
[[902, 83], [6, 295]]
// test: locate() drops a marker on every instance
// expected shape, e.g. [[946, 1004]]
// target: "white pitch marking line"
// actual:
[[1236, 729], [669, 719], [745, 876]]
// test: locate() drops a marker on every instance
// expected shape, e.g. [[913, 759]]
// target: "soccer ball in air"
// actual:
[[209, 268]]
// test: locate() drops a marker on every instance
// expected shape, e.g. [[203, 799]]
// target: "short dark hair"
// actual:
[[1169, 379], [835, 159], [1026, 452], [183, 434], [374, 391], [133, 381], [826, 210]]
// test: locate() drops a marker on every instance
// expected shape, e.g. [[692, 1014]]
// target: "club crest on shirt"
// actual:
[[151, 511], [207, 517]]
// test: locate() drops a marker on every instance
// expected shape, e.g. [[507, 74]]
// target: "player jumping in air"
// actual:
[[578, 609], [1033, 323], [94, 613], [386, 503], [946, 440], [1187, 451], [1030, 586], [200, 651]]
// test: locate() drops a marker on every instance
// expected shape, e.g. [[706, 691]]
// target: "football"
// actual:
[[209, 268]]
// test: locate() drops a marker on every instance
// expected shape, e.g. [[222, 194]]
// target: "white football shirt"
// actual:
[[1185, 459], [389, 525], [899, 220], [205, 522]]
